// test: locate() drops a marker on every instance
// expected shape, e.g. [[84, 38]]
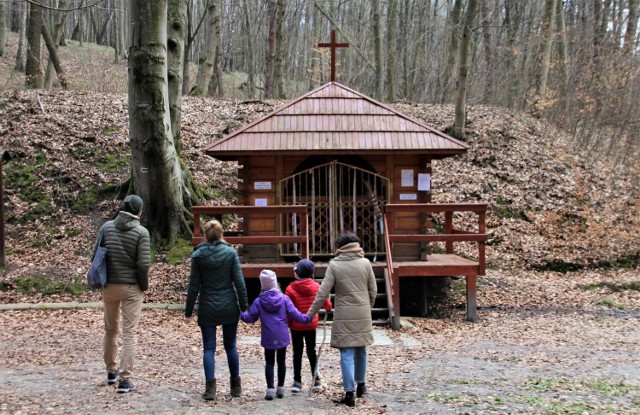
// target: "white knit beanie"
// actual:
[[268, 280]]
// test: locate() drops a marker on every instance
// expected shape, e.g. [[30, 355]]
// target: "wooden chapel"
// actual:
[[334, 160]]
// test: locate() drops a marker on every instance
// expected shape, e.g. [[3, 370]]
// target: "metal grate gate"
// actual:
[[340, 197]]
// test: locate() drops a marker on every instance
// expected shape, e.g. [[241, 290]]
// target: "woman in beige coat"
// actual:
[[351, 275]]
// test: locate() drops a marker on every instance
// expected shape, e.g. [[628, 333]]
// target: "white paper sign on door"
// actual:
[[407, 178], [424, 181]]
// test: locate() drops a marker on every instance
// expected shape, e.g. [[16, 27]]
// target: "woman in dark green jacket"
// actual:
[[217, 277]]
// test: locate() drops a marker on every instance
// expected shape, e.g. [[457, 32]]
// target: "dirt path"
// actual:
[[570, 363]]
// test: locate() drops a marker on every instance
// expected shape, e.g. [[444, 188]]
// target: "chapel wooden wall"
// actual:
[[272, 169]]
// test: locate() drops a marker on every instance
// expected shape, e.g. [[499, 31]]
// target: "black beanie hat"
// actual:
[[132, 204]]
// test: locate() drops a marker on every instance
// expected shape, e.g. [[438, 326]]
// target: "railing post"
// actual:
[[481, 244], [196, 225], [396, 299], [304, 230], [448, 229], [471, 298]]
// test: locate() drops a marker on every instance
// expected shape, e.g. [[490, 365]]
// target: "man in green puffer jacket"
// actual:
[[128, 261]]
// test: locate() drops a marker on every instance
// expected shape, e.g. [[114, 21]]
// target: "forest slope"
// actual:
[[549, 210]]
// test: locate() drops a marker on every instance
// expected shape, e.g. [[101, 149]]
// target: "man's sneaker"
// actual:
[[280, 392], [296, 387], [317, 384], [270, 394], [125, 386], [112, 378]]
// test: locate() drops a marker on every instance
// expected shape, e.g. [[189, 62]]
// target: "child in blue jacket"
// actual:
[[272, 308]]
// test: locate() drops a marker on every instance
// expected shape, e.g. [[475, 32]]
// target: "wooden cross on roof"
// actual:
[[333, 45]]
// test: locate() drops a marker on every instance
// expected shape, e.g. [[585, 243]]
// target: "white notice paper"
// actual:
[[408, 196], [262, 185], [407, 178], [261, 202], [424, 181]]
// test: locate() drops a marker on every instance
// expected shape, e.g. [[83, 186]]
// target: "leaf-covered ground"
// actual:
[[558, 308]]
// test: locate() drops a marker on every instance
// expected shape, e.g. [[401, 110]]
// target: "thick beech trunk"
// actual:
[[156, 168]]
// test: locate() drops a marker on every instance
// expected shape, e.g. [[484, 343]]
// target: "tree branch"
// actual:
[[44, 6]]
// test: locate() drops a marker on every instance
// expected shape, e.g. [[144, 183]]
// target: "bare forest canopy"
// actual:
[[574, 62]]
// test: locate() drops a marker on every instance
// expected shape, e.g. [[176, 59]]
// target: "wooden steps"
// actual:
[[380, 310]]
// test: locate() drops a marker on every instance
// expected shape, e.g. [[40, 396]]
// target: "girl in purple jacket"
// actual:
[[272, 308]]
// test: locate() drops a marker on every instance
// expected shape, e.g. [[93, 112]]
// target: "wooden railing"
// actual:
[[235, 238], [450, 234], [394, 315], [445, 265]]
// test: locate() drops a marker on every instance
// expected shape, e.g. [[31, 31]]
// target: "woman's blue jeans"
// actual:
[[229, 336], [353, 364]]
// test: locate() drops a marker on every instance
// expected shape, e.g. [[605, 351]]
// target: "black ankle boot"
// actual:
[[361, 389], [348, 399], [210, 390]]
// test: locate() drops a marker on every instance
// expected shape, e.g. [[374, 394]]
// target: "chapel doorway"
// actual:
[[340, 197]]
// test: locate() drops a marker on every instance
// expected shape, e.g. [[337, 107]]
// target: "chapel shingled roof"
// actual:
[[334, 119]]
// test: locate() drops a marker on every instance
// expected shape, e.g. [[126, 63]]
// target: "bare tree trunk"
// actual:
[[205, 66], [465, 58], [632, 27], [177, 24], [20, 56], [314, 51], [561, 39], [512, 29], [454, 50], [377, 39], [53, 54], [118, 47], [218, 90], [3, 29], [186, 70], [407, 11], [83, 12], [156, 169], [391, 50], [270, 57], [186, 86], [219, 55], [176, 37], [101, 33], [33, 73], [49, 79], [544, 57], [251, 78], [488, 52], [279, 64], [420, 52]]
